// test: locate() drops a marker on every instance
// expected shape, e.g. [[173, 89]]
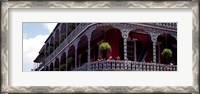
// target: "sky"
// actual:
[[34, 36]]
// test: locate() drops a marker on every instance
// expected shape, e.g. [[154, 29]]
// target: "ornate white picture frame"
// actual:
[[6, 5]]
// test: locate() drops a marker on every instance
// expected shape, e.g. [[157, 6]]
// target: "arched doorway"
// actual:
[[139, 46], [71, 27], [56, 40], [51, 46], [110, 35], [63, 32], [51, 66], [63, 62], [47, 68], [47, 50], [164, 41], [82, 51], [71, 58], [56, 68]]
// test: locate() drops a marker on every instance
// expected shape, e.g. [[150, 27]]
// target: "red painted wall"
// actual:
[[140, 37], [149, 57], [145, 39], [113, 37]]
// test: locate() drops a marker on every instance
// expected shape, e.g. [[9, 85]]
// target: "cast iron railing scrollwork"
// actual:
[[121, 65], [166, 25]]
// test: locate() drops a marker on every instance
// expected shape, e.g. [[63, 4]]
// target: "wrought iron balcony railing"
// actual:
[[165, 25], [121, 65], [40, 66]]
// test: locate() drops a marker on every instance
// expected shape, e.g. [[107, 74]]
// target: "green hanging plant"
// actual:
[[105, 46], [63, 67], [55, 42], [70, 60], [62, 37], [167, 52], [50, 48], [55, 69]]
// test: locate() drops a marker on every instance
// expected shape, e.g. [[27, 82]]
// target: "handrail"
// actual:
[[167, 25], [121, 65], [68, 39]]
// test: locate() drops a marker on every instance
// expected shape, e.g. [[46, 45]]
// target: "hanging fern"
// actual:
[[63, 67], [50, 48], [62, 37], [55, 42], [55, 69], [70, 60], [105, 46], [167, 52]]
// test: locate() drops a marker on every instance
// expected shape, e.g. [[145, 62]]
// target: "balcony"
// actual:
[[121, 65], [67, 40], [40, 66], [80, 29], [165, 25], [83, 26]]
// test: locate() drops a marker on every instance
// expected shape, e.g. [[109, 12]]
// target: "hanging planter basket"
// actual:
[[105, 46], [55, 69], [63, 67], [56, 42], [167, 53], [70, 60], [62, 37]]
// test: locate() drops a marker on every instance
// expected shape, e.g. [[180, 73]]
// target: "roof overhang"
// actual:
[[38, 59]]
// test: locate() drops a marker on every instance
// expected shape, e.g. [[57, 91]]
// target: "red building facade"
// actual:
[[76, 46]]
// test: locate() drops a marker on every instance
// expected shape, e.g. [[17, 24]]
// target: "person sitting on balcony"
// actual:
[[110, 58], [171, 63], [117, 59], [99, 59]]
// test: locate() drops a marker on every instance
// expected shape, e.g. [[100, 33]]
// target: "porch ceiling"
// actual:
[[100, 31]]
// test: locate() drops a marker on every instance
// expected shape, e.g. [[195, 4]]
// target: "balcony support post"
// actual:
[[75, 56], [125, 33], [154, 36], [52, 65], [159, 43], [59, 64], [66, 61], [89, 37], [154, 51], [79, 60], [135, 49]]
